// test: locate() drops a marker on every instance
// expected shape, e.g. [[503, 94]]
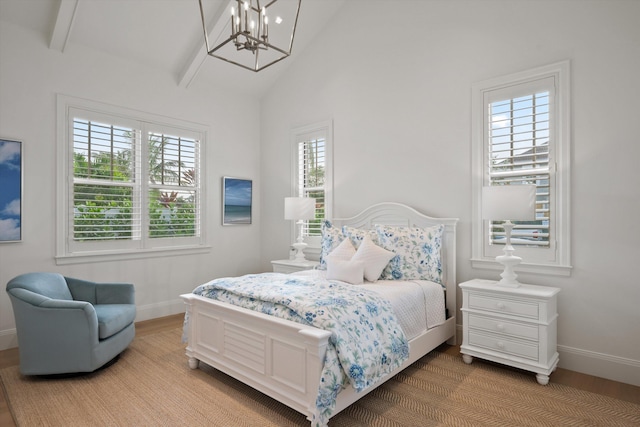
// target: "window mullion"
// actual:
[[139, 154]]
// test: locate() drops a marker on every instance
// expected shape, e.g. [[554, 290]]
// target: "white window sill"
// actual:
[[551, 270], [87, 257]]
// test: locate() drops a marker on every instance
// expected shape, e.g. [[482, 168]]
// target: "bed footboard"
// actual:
[[280, 358]]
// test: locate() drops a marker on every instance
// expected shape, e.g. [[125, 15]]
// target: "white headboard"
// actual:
[[389, 213]]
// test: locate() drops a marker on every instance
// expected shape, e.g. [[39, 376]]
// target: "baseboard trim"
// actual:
[[615, 368], [601, 365], [9, 337], [162, 309], [459, 334]]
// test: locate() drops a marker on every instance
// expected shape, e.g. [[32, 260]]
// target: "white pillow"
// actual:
[[344, 251], [345, 270], [374, 257]]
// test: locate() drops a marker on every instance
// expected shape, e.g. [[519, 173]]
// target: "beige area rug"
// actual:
[[151, 385]]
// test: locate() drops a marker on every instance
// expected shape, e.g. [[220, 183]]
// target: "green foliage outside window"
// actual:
[[102, 212], [170, 215], [105, 212]]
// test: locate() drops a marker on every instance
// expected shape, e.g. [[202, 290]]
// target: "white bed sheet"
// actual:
[[418, 304]]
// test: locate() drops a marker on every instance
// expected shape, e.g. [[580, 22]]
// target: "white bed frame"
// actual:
[[284, 359]]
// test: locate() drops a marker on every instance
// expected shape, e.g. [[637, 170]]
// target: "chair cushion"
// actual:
[[112, 318]]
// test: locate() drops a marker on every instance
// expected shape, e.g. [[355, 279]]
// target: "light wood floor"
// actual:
[[560, 376]]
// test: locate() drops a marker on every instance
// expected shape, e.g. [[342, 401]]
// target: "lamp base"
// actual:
[[299, 247], [509, 276]]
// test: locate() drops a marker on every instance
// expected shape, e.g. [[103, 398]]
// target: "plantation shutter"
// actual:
[[173, 190], [107, 200], [104, 205], [517, 144], [129, 182], [311, 179]]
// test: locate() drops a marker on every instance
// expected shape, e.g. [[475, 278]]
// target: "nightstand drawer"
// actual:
[[524, 309], [503, 345], [490, 324]]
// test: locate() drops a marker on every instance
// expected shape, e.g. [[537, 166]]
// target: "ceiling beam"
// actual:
[[216, 24], [64, 23]]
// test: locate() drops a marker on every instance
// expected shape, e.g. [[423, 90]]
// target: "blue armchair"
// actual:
[[67, 325]]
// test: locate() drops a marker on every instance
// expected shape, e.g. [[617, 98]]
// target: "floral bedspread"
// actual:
[[366, 341]]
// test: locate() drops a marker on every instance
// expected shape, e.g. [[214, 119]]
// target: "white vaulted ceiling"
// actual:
[[163, 34]]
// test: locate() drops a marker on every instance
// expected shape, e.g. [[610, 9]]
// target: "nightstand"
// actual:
[[291, 266], [512, 326]]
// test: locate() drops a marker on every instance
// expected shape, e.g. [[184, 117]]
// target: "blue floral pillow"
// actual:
[[357, 234], [331, 238], [417, 252]]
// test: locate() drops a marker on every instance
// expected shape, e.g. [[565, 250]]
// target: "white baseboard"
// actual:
[[9, 338], [600, 365], [162, 309], [592, 363]]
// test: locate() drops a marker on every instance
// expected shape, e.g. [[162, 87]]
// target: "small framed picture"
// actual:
[[236, 201], [11, 193]]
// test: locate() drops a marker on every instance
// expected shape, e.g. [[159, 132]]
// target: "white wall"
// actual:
[[396, 79], [30, 77]]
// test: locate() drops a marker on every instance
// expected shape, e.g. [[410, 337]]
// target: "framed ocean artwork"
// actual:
[[11, 193], [236, 201]]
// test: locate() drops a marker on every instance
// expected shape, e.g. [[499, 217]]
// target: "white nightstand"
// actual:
[[291, 266], [513, 326]]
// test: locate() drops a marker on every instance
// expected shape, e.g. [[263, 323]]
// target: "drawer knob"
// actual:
[[500, 344], [500, 327], [501, 305]]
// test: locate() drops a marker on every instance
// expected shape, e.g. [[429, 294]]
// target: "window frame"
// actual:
[[554, 260], [322, 129], [70, 252]]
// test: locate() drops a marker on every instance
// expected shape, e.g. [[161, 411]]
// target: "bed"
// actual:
[[284, 359]]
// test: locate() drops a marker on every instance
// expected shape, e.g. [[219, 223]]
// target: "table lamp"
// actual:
[[299, 209], [507, 203]]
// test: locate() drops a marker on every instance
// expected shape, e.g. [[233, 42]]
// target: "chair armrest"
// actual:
[[66, 304], [28, 296], [38, 300], [46, 320], [115, 293]]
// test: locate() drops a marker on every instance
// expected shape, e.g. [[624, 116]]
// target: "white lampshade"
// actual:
[[299, 208], [509, 202]]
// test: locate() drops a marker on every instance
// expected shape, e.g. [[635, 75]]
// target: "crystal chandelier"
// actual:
[[261, 32]]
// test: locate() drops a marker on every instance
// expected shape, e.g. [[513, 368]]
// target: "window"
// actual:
[[130, 183], [521, 136], [312, 175]]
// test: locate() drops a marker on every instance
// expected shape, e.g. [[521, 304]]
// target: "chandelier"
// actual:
[[261, 32]]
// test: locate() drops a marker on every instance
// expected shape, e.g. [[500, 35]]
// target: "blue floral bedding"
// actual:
[[366, 341]]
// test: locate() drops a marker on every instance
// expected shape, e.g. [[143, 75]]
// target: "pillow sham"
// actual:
[[331, 238], [357, 234], [374, 258], [345, 270], [417, 252]]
